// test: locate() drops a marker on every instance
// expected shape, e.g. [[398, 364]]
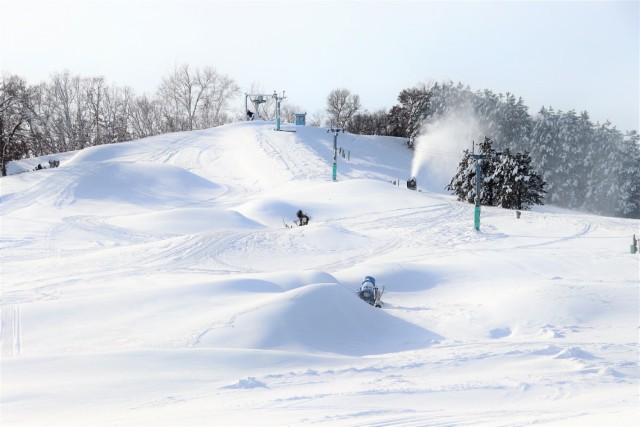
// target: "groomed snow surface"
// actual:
[[155, 283]]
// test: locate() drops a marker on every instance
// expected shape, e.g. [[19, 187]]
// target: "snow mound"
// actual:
[[270, 212], [574, 353], [186, 221], [287, 280], [112, 152], [151, 184], [322, 317], [277, 282], [249, 382]]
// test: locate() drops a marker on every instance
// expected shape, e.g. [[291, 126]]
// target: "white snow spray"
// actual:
[[439, 148]]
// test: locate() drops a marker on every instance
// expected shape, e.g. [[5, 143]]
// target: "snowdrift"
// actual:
[[140, 184], [324, 318]]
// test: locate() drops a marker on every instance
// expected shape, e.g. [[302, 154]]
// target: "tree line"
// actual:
[[71, 112], [588, 166]]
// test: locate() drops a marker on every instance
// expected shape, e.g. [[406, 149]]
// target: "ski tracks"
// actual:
[[586, 228], [10, 330], [296, 158], [201, 252], [435, 227]]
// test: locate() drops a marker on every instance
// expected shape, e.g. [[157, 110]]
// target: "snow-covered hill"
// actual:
[[156, 282]]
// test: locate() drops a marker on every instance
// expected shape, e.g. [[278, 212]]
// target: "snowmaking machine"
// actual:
[[412, 184], [370, 293]]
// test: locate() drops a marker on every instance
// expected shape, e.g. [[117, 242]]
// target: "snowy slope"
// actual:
[[155, 283]]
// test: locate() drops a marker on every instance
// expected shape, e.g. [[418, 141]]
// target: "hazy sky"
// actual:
[[570, 55]]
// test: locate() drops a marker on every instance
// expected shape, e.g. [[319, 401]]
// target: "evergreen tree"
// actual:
[[514, 124], [491, 181], [520, 186], [507, 180], [614, 179], [628, 204], [542, 143], [463, 182], [586, 153]]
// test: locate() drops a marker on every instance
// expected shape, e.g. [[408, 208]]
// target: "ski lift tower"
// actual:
[[278, 100], [261, 98], [256, 100]]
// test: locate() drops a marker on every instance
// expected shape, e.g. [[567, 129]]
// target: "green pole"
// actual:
[[335, 150], [335, 155], [277, 111], [476, 217]]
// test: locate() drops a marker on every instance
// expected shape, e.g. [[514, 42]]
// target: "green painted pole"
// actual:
[[277, 111], [335, 155], [335, 150], [476, 216]]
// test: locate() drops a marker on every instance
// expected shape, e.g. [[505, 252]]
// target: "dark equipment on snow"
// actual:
[[411, 183], [370, 293], [303, 218]]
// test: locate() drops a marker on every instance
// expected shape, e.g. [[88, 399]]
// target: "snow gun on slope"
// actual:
[[370, 293], [412, 184]]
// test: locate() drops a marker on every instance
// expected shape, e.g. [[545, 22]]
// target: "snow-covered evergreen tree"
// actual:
[[491, 181], [614, 178], [628, 204], [521, 187], [463, 182], [543, 140], [507, 180], [515, 124]]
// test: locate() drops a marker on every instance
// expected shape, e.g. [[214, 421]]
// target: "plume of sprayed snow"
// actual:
[[439, 148]]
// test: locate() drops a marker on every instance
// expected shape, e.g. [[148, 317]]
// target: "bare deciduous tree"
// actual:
[[70, 112], [341, 106], [14, 111], [145, 117], [215, 108], [196, 98], [287, 111], [317, 119]]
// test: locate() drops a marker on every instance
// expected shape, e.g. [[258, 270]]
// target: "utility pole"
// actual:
[[335, 131]]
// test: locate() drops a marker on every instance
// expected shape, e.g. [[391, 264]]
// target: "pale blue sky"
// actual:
[[570, 55]]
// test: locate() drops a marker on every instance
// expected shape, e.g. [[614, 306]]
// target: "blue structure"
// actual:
[[300, 118]]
